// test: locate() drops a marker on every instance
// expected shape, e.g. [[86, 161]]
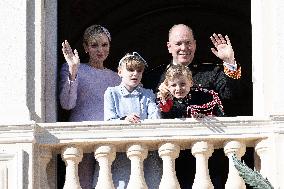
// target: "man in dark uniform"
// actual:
[[223, 79]]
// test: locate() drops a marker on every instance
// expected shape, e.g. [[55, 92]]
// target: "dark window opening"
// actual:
[[143, 26]]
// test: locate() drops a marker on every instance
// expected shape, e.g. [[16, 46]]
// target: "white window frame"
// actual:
[[265, 48]]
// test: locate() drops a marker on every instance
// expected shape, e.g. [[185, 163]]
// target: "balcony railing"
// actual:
[[33, 148]]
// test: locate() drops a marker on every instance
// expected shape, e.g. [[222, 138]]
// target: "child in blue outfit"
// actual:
[[130, 101]]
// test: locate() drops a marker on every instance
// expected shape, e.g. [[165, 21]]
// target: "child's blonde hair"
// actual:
[[175, 71], [132, 61]]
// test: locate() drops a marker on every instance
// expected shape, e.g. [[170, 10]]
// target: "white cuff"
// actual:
[[232, 67]]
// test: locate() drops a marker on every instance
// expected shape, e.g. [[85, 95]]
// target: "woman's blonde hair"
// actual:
[[94, 31], [175, 71]]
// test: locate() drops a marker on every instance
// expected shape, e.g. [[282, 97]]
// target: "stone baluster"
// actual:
[[72, 156], [169, 152], [137, 153], [45, 157], [263, 151], [105, 154], [202, 151], [234, 181]]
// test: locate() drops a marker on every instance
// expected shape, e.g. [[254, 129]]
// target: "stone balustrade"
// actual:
[[45, 141]]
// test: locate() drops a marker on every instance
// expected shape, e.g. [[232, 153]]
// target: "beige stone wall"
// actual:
[[267, 57], [28, 69]]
